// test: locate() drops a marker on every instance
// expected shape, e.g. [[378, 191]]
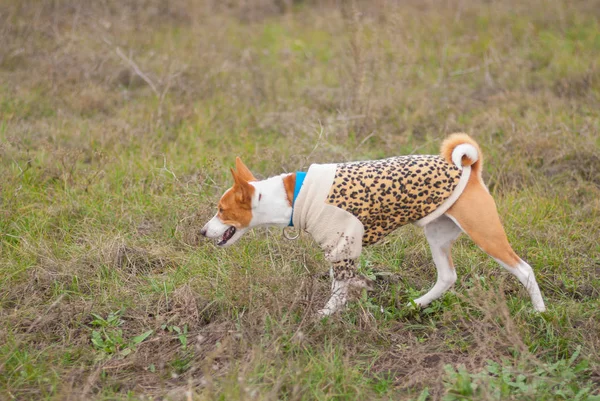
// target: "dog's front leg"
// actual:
[[342, 272], [344, 277]]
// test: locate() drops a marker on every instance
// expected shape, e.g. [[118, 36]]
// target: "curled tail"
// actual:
[[461, 150]]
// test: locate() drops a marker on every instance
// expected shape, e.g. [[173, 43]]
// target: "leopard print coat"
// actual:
[[386, 194], [345, 206]]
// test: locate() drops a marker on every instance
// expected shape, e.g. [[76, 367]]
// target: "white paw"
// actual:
[[417, 303], [328, 311], [321, 313]]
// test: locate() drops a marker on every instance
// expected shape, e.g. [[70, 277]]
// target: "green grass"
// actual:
[[108, 174]]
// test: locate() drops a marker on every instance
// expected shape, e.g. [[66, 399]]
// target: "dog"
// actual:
[[346, 206]]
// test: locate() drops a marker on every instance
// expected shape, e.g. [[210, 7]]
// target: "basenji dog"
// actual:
[[345, 206]]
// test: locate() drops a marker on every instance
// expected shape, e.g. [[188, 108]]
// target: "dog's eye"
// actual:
[[220, 210]]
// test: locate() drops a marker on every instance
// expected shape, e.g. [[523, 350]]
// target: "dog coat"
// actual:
[[345, 206]]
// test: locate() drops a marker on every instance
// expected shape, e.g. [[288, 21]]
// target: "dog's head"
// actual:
[[234, 213]]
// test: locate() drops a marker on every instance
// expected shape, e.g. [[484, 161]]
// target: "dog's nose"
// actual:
[[203, 231]]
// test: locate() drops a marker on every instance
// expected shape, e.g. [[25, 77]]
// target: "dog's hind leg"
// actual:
[[441, 234], [475, 212]]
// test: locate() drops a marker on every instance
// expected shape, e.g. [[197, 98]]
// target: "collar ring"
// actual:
[[285, 231]]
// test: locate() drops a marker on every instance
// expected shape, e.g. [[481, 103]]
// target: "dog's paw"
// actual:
[[414, 305], [323, 313], [331, 308]]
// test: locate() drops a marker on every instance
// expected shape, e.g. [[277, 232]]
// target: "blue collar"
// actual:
[[300, 175]]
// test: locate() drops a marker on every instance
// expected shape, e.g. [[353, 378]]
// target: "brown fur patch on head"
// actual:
[[235, 206]]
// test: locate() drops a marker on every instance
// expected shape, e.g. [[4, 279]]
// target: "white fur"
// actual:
[[464, 149], [440, 234], [215, 228], [270, 206], [524, 273]]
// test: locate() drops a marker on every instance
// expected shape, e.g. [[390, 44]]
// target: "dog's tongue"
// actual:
[[227, 235]]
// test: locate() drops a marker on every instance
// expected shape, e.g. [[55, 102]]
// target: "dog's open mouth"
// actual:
[[227, 236]]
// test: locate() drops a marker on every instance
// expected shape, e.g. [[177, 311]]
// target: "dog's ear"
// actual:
[[238, 179], [241, 188], [234, 175], [243, 171], [243, 194]]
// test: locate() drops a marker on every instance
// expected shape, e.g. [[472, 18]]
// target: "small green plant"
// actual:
[[424, 395], [182, 362], [179, 332], [112, 320], [109, 340], [558, 381]]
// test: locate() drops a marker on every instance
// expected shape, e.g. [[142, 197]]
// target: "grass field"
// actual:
[[119, 121]]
